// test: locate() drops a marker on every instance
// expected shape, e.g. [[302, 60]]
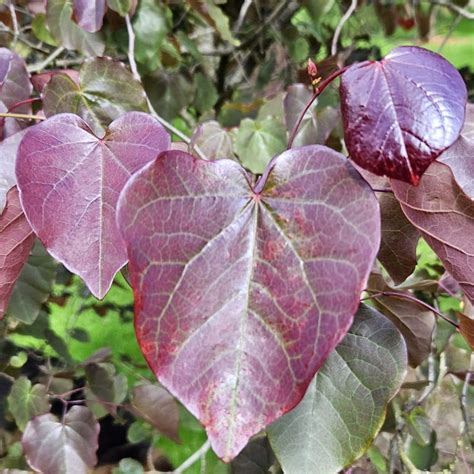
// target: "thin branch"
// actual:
[[243, 11], [316, 94], [452, 27], [193, 458], [136, 75], [16, 31], [340, 25], [22, 116], [459, 10], [406, 296], [44, 64]]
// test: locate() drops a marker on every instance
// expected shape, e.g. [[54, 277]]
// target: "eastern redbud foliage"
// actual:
[[246, 284]]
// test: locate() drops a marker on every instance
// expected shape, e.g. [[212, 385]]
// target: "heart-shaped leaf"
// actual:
[[106, 89], [402, 112], [460, 156], [214, 141], [16, 240], [55, 447], [445, 217], [241, 292], [344, 406], [15, 87], [89, 14], [70, 180]]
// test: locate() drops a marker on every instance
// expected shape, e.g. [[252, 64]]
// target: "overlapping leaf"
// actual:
[[58, 447], [89, 14], [460, 156], [105, 91], [241, 293], [344, 406], [445, 217], [70, 181], [402, 112], [69, 34], [15, 87], [214, 141], [318, 122], [33, 286], [16, 240]]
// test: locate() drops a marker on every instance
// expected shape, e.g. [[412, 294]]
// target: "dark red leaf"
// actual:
[[69, 182], [89, 14], [16, 240], [55, 447], [402, 112], [445, 217], [40, 80], [15, 87], [241, 293]]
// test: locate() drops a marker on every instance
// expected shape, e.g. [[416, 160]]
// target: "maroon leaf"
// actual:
[[460, 156], [55, 447], [402, 112], [241, 293], [8, 150], [16, 240], [445, 217], [89, 14], [69, 182], [155, 405], [15, 87]]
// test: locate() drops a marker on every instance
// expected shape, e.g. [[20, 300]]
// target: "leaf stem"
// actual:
[[136, 75], [316, 94], [21, 116], [193, 458], [23, 102], [44, 64], [340, 25], [414, 299]]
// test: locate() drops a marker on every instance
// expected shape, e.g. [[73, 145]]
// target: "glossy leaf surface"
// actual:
[[75, 442], [70, 181], [16, 240], [106, 89], [344, 406], [89, 14], [402, 112], [445, 217], [33, 286], [241, 293], [15, 87]]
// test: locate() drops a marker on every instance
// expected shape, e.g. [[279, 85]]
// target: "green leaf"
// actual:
[[41, 31], [122, 7], [206, 93], [423, 457], [19, 360], [344, 406], [214, 141], [419, 426], [128, 466], [33, 287], [106, 90], [68, 33], [139, 431], [26, 401], [221, 22], [257, 142], [151, 27]]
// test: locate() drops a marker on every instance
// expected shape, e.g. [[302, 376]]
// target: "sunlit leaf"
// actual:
[[70, 180], [402, 112], [344, 406], [89, 14], [258, 292]]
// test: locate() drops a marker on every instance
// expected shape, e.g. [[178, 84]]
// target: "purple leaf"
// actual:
[[89, 14], [460, 156], [241, 293], [155, 405], [8, 150], [69, 182], [55, 447], [16, 240], [15, 87], [445, 217], [402, 112]]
